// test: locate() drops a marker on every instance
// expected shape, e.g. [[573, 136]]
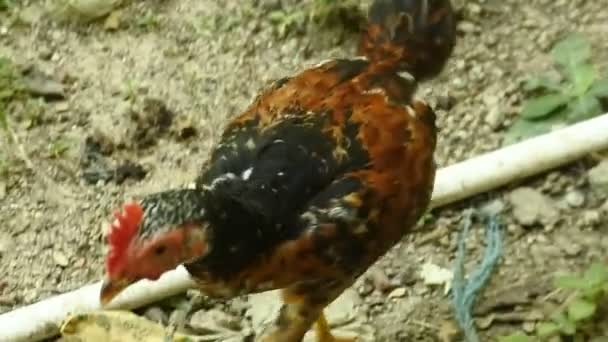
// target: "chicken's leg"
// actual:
[[324, 332], [303, 305]]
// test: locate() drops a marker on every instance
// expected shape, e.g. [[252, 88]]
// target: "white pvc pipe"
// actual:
[[515, 162], [480, 174]]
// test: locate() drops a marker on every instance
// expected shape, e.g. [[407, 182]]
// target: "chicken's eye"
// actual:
[[160, 250]]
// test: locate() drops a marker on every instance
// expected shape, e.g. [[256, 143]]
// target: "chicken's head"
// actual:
[[153, 236]]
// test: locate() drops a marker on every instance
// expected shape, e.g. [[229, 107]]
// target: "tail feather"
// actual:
[[416, 36]]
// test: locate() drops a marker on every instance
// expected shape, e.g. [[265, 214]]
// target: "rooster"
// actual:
[[321, 175]]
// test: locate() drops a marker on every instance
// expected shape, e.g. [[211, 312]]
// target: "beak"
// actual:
[[111, 288]]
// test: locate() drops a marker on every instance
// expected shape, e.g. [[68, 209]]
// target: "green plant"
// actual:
[[148, 22], [6, 4], [591, 290], [10, 81], [574, 95], [4, 165], [58, 147], [10, 88], [321, 12]]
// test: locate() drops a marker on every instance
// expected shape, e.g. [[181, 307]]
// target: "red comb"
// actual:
[[122, 232]]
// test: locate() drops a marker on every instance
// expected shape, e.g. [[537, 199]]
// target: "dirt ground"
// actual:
[[206, 61]]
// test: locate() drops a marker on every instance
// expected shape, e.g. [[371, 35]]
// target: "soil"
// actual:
[[194, 63]]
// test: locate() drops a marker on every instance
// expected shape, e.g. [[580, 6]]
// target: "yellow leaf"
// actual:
[[113, 326]]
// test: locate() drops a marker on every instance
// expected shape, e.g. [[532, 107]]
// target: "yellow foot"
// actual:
[[324, 333]]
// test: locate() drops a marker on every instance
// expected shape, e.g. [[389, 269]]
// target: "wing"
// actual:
[[334, 157]]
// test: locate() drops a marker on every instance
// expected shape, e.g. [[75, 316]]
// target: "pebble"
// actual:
[[591, 218], [60, 258], [598, 177], [6, 241], [62, 107], [2, 190], [529, 327], [495, 118], [39, 84], [575, 199], [467, 27], [494, 207], [570, 247], [397, 293], [530, 207], [156, 314], [604, 207], [45, 53]]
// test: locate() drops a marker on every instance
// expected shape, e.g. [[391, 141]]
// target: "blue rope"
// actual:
[[465, 291]]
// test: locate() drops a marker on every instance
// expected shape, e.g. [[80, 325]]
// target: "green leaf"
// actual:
[[516, 337], [542, 82], [583, 108], [592, 293], [543, 106], [566, 326], [276, 16], [569, 281], [596, 274], [583, 76], [581, 309], [523, 129], [574, 49], [599, 88], [3, 119], [547, 329]]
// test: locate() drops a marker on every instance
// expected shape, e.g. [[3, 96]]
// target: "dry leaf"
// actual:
[[114, 326]]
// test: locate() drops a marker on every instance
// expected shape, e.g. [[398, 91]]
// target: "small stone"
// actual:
[[6, 242], [2, 189], [380, 280], [474, 8], [485, 322], [39, 84], [445, 102], [45, 53], [493, 208], [156, 314], [344, 309], [60, 258], [31, 14], [529, 327], [62, 107], [449, 332], [530, 207], [113, 21], [93, 9], [467, 26], [495, 118], [206, 321], [397, 293], [570, 247], [598, 177], [591, 218], [365, 289], [604, 207], [575, 199]]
